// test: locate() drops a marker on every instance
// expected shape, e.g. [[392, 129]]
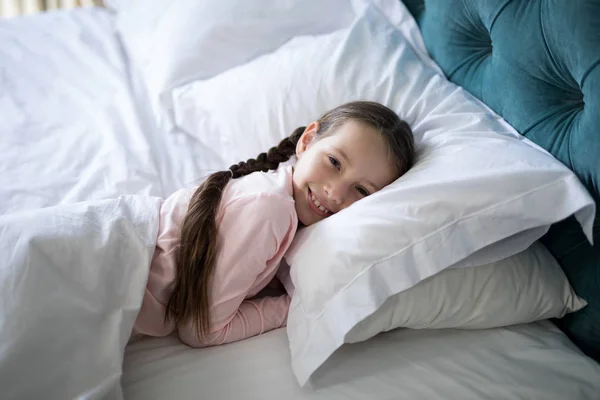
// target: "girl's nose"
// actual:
[[337, 195]]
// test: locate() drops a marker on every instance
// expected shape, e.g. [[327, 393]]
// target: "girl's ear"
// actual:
[[308, 136]]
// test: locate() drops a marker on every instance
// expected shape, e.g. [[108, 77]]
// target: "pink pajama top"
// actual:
[[256, 221]]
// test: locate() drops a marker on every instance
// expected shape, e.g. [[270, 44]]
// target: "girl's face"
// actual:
[[339, 169]]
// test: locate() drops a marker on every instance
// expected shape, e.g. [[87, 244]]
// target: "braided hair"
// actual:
[[198, 250], [198, 246]]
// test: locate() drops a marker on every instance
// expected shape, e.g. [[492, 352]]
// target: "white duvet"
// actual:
[[71, 284], [71, 127], [75, 135], [74, 255]]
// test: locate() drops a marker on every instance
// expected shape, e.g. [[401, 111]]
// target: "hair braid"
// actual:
[[198, 248], [271, 159]]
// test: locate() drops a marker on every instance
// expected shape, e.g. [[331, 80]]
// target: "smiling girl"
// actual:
[[221, 243]]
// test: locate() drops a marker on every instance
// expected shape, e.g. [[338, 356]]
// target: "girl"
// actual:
[[221, 244]]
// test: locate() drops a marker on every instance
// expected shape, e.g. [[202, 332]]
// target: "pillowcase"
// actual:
[[175, 41], [526, 287], [478, 193]]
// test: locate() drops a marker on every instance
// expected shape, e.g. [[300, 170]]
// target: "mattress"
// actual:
[[531, 361]]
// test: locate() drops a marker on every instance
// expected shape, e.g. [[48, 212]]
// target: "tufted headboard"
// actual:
[[537, 64]]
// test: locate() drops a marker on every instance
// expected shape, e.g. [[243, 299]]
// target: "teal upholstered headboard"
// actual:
[[537, 64]]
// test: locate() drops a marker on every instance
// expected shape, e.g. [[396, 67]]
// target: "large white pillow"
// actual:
[[171, 42], [478, 193]]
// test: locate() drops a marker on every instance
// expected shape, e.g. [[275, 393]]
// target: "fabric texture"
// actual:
[[70, 130], [547, 85], [256, 222], [71, 284], [529, 286], [525, 362], [476, 183]]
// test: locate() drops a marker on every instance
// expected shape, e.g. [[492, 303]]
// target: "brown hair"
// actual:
[[198, 247]]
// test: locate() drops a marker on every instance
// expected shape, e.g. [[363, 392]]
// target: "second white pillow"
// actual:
[[526, 287]]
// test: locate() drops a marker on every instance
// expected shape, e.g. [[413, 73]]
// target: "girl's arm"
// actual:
[[254, 233]]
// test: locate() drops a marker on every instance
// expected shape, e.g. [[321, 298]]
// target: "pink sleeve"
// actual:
[[253, 235]]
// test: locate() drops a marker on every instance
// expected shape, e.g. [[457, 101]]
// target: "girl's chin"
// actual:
[[308, 218], [306, 221]]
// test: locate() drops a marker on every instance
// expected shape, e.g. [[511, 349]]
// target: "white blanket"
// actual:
[[72, 279], [74, 118]]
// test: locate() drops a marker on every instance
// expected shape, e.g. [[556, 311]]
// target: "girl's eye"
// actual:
[[334, 162], [362, 191]]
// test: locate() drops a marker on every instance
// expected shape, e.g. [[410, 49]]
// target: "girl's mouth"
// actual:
[[316, 206]]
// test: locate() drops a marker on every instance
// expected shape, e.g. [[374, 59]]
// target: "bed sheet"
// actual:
[[70, 128], [532, 361]]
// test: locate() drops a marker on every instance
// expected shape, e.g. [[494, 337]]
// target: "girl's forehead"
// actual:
[[357, 136]]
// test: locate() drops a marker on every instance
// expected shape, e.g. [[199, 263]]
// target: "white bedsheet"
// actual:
[[533, 361]]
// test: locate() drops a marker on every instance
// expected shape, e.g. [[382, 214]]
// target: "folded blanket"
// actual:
[[71, 284]]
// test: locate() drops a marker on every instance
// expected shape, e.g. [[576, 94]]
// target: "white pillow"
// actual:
[[476, 183], [526, 287], [171, 42]]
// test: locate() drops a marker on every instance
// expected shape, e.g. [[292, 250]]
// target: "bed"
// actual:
[[81, 123]]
